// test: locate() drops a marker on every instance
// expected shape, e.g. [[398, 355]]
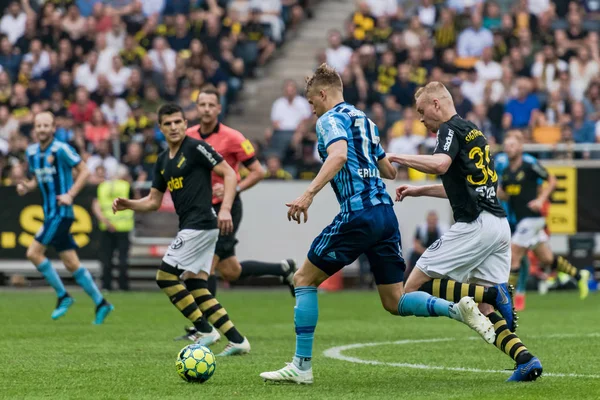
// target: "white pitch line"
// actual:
[[336, 353]]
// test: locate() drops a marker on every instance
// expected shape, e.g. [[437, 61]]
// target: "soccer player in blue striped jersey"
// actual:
[[354, 163], [51, 163]]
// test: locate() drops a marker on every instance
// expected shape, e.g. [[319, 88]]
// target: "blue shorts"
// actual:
[[56, 233], [374, 232]]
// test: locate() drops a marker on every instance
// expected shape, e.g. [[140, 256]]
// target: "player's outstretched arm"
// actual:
[[26, 186], [337, 155], [417, 191], [436, 164], [386, 169], [151, 202]]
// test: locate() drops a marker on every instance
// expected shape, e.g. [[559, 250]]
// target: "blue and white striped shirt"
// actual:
[[358, 184], [52, 169]]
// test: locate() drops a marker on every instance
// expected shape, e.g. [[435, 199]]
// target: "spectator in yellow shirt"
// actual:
[[408, 123]]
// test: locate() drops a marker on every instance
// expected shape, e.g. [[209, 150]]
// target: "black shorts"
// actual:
[[226, 244]]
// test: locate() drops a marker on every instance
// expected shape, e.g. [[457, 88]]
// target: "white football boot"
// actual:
[[467, 312], [207, 339], [289, 373], [236, 349]]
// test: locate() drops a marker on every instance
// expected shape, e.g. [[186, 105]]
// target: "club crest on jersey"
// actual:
[[181, 162], [520, 176], [177, 243]]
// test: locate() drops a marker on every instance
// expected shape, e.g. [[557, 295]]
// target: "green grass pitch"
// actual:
[[132, 356]]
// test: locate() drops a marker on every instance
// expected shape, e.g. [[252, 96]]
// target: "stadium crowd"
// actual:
[[103, 67], [532, 65]]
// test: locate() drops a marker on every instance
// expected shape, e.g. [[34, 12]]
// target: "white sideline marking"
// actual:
[[336, 353]]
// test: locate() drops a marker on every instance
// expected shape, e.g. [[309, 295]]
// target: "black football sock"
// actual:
[[167, 278], [508, 342], [212, 284], [259, 268]]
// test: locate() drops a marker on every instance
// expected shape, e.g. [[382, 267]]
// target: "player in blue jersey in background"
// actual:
[[51, 163], [354, 162]]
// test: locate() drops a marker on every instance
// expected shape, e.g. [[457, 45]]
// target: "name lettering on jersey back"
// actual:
[[175, 183], [45, 174], [356, 113], [449, 138], [369, 173], [207, 154], [474, 134]]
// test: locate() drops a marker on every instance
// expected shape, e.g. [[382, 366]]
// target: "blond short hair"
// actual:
[[325, 77], [433, 89]]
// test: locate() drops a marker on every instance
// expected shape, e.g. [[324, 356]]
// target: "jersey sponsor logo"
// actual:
[[449, 138], [181, 162], [247, 147], [487, 192], [474, 134], [177, 243], [207, 154], [175, 183], [513, 189], [435, 245], [50, 159], [520, 176], [369, 173], [45, 175]]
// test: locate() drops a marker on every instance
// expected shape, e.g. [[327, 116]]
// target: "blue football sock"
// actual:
[[523, 275], [84, 279], [52, 277], [306, 314], [423, 304]]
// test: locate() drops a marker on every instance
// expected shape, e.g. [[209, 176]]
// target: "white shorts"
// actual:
[[530, 232], [474, 252], [192, 250]]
